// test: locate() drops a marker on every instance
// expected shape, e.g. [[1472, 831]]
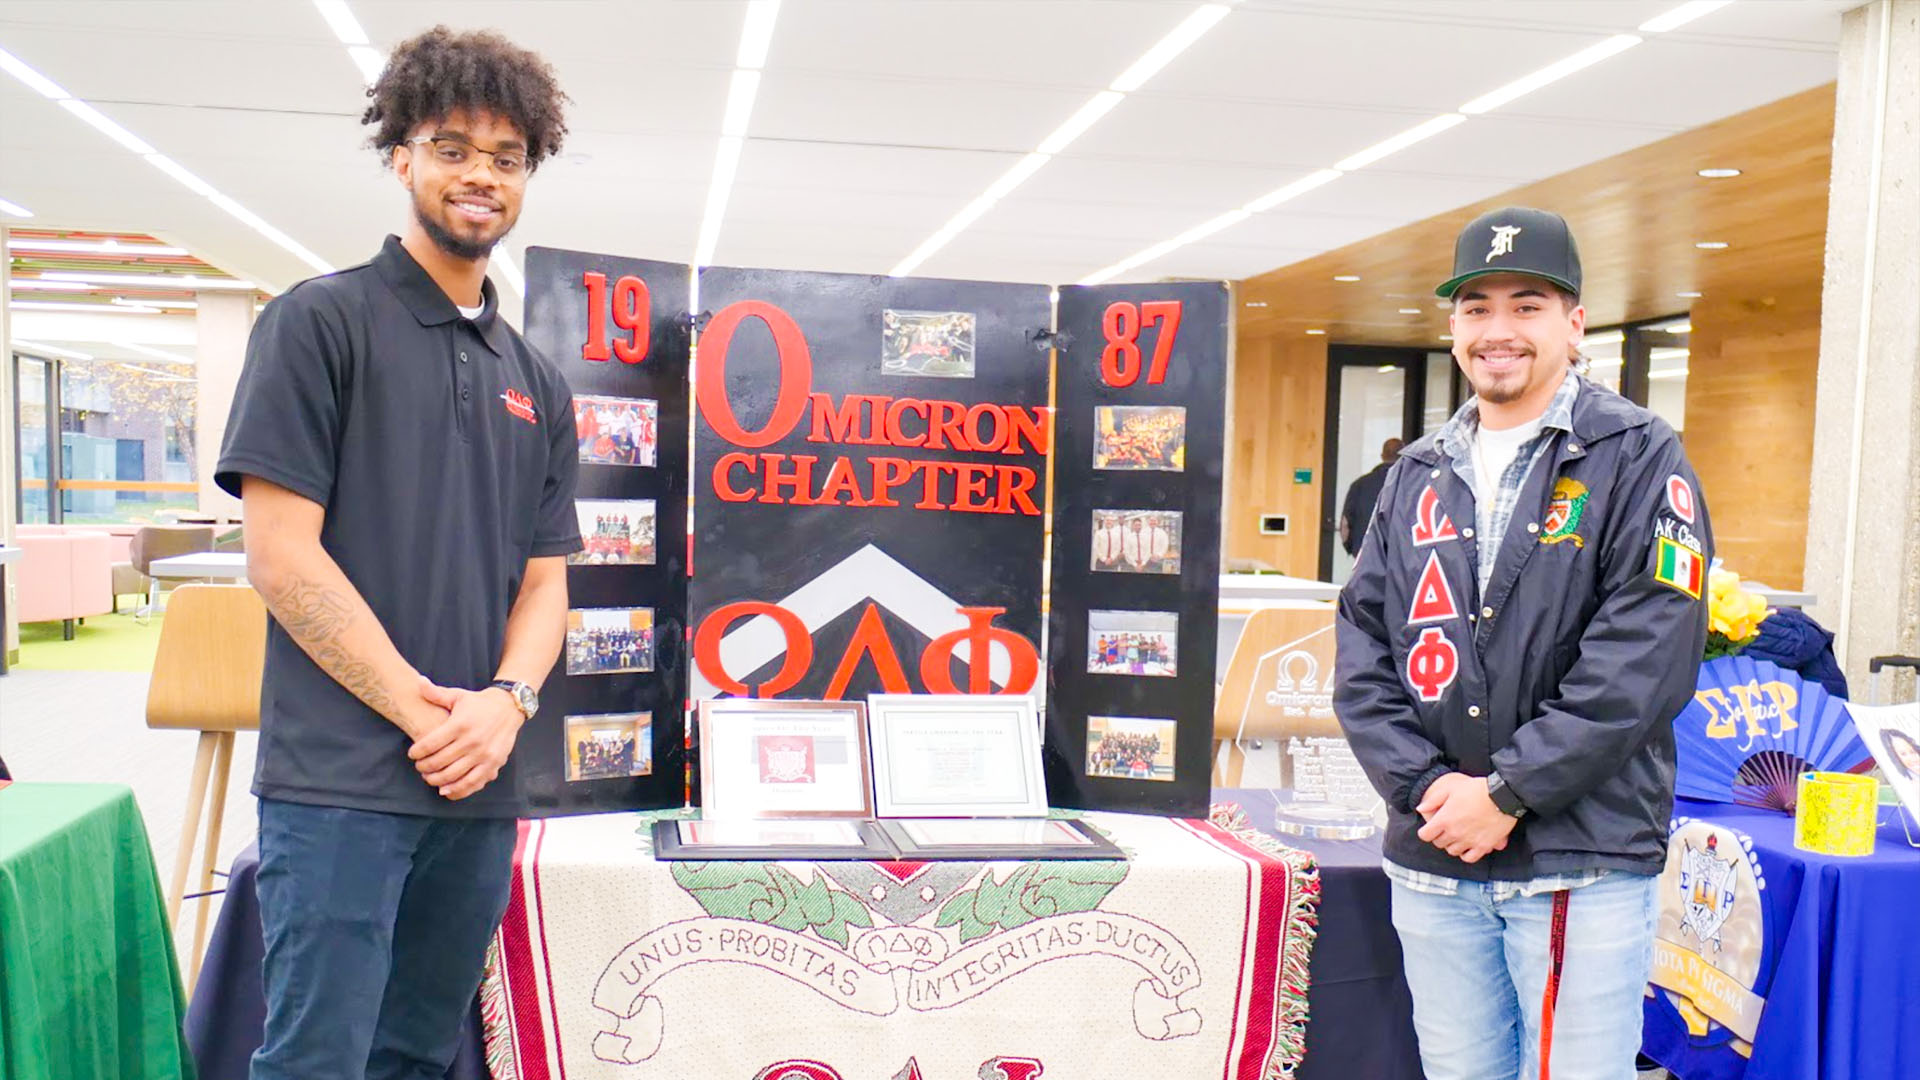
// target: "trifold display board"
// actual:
[[610, 733], [869, 479], [1139, 445]]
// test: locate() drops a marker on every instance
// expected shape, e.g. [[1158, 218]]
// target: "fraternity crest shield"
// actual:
[[1706, 887], [1569, 504]]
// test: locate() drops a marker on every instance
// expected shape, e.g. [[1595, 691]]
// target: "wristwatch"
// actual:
[[1505, 797], [523, 695]]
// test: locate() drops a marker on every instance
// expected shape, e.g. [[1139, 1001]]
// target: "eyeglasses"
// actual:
[[456, 153]]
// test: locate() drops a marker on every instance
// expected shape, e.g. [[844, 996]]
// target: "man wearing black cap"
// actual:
[[1522, 626]]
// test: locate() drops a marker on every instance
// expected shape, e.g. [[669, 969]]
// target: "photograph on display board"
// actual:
[[617, 431], [617, 532], [609, 745], [1130, 747], [1133, 643], [1136, 438], [1136, 541], [936, 344], [609, 641]]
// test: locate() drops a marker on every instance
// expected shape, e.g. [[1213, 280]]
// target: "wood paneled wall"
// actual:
[[1279, 423], [1750, 389]]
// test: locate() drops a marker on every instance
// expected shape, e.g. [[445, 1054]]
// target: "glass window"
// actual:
[[1372, 410], [1667, 357], [1605, 351], [35, 451], [1439, 397], [129, 428]]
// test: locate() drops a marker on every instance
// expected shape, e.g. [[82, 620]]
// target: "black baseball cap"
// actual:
[[1515, 240]]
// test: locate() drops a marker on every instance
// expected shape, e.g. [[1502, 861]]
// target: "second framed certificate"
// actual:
[[956, 755]]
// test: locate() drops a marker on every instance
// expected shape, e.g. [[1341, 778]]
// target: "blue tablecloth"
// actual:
[[1843, 995]]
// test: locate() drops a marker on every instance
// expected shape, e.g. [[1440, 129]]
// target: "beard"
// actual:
[[1507, 386], [453, 244]]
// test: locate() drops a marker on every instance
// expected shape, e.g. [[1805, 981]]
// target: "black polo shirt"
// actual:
[[444, 453]]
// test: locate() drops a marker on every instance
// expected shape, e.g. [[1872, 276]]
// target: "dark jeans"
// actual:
[[376, 928]]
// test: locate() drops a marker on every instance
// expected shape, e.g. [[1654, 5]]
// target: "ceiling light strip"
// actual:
[[1175, 42], [54, 350], [103, 247], [1585, 58], [1681, 16], [756, 38], [19, 69], [14, 209], [360, 50]]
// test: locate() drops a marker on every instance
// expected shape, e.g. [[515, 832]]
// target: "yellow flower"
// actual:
[[1733, 612]]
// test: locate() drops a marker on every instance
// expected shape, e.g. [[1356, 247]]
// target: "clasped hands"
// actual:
[[1462, 819], [468, 745]]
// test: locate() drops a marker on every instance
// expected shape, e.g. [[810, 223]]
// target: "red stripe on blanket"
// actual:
[[1273, 886], [546, 958], [516, 964]]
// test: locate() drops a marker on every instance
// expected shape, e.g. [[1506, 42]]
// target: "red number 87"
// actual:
[[1122, 323]]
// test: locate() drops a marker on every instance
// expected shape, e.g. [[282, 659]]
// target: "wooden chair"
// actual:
[[206, 678], [1279, 685]]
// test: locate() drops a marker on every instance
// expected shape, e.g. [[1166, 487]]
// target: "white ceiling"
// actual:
[[877, 120]]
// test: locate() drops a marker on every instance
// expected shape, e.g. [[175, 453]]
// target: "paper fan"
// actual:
[[1751, 730]]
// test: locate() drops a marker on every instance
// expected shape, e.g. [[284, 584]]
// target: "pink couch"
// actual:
[[64, 576]]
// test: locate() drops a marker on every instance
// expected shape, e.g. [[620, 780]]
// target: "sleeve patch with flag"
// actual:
[[1678, 567]]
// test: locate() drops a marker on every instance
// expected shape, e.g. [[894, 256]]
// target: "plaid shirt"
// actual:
[[1493, 515]]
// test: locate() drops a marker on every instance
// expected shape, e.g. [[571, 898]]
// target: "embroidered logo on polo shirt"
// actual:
[[520, 405]]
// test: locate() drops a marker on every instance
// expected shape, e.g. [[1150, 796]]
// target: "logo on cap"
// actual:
[[1502, 241]]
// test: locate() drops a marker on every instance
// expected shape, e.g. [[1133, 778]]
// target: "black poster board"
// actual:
[[610, 733], [1135, 600], [869, 484]]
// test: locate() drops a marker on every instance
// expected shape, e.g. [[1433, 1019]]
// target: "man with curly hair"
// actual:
[[407, 467]]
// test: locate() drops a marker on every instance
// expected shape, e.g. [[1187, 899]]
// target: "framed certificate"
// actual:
[[783, 759], [771, 841], [956, 755], [938, 839]]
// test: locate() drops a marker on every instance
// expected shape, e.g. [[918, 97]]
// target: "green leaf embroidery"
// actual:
[[773, 895]]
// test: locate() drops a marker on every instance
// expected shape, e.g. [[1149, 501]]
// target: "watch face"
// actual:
[[528, 700]]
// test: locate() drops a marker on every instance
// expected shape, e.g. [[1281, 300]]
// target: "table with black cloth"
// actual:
[[1360, 1016], [1838, 978]]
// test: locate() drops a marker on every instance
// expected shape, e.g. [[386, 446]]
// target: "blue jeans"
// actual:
[[376, 929], [1477, 964]]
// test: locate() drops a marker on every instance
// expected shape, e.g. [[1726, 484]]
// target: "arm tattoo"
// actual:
[[318, 618]]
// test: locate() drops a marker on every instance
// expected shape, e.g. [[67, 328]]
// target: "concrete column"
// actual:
[[222, 324], [1863, 529], [9, 491]]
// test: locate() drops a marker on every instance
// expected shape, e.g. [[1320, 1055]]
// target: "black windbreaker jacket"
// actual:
[[1566, 676]]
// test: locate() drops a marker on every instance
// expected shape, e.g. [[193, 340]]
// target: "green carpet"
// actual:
[[105, 643]]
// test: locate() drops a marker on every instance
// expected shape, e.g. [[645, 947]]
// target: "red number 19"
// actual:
[[632, 311], [1122, 323]]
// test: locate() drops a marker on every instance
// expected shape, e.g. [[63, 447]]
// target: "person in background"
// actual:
[[407, 465], [1357, 509]]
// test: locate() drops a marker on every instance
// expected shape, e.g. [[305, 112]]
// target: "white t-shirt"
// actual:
[[472, 313], [1493, 451]]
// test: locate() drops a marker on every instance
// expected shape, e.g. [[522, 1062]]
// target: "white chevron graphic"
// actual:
[[867, 574]]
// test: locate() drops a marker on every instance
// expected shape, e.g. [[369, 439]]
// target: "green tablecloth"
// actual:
[[89, 989]]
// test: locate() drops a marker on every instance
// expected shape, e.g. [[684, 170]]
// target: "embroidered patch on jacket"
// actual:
[[1569, 504], [1430, 525], [1432, 664], [1680, 497], [1678, 567], [1432, 595]]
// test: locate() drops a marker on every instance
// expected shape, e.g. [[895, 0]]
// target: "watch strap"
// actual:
[[1505, 797]]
